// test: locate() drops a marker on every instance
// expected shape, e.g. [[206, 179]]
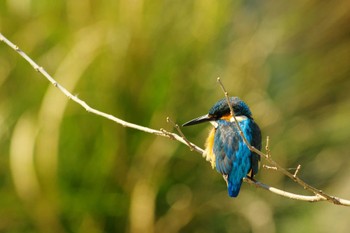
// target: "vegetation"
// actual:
[[65, 170]]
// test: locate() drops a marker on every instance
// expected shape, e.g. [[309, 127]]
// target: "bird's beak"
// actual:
[[198, 120]]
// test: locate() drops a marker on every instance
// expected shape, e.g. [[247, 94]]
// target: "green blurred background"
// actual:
[[65, 170]]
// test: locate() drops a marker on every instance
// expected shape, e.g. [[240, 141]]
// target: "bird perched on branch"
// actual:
[[225, 147]]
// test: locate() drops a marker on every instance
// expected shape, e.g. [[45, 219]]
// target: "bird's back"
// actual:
[[232, 157]]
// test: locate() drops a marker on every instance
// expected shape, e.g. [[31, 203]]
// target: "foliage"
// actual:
[[64, 170]]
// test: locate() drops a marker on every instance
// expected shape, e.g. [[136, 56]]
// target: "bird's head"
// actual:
[[221, 110]]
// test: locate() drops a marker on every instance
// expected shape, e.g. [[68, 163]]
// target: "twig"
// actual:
[[314, 198], [267, 147], [269, 167], [275, 168], [297, 170], [226, 95], [296, 179], [233, 113], [82, 103], [176, 126], [182, 139]]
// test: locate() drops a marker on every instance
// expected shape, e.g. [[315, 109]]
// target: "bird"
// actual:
[[225, 147]]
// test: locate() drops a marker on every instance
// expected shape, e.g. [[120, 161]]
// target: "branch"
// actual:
[[82, 103], [233, 114], [320, 196], [313, 198]]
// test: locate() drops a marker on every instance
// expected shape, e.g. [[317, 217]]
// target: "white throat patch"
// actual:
[[239, 118], [214, 123]]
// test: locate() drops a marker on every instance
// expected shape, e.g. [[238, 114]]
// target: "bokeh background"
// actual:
[[65, 170]]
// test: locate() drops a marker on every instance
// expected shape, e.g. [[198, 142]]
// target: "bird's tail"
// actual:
[[233, 187]]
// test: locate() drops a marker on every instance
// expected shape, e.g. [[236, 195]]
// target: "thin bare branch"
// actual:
[[226, 95], [297, 170], [176, 126], [233, 114], [82, 103], [267, 147], [319, 195], [269, 167], [314, 198]]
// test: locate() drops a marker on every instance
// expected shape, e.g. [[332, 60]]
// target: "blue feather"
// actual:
[[233, 158]]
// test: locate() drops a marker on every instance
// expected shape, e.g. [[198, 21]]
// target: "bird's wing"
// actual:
[[256, 142], [233, 157], [225, 148]]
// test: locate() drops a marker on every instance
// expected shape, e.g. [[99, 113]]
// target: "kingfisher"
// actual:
[[225, 148]]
